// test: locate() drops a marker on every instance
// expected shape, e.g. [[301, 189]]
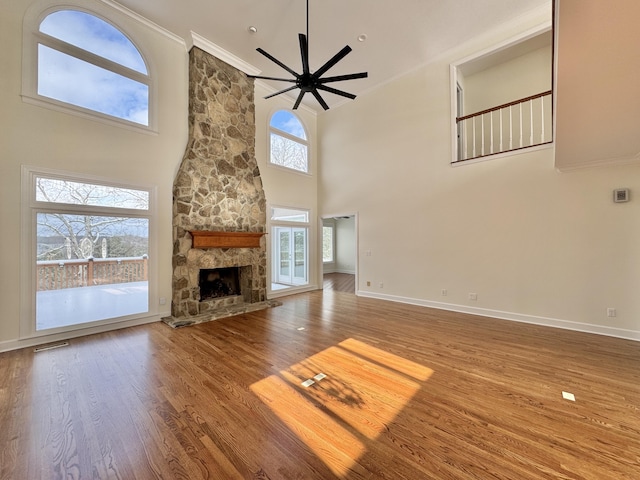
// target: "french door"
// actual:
[[290, 256]]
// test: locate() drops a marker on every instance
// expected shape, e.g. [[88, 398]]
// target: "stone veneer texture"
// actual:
[[218, 185]]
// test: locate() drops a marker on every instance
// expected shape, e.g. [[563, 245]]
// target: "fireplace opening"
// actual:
[[219, 282]]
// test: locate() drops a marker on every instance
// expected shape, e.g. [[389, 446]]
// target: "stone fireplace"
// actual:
[[219, 206]]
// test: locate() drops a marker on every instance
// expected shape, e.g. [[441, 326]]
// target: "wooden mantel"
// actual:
[[206, 239]]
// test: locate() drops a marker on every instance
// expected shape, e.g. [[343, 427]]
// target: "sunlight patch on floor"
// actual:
[[364, 390]]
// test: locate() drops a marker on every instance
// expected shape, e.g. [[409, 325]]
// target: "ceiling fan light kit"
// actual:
[[309, 82]]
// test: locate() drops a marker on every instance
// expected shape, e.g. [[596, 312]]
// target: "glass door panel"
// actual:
[[300, 256], [283, 254]]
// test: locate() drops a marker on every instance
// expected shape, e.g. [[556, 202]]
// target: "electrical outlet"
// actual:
[[444, 292], [162, 300], [368, 283], [611, 312], [473, 296]]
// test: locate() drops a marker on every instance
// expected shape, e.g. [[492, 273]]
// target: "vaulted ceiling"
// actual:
[[400, 36]]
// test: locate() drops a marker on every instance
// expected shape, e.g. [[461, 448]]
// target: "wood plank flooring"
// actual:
[[409, 393], [339, 282]]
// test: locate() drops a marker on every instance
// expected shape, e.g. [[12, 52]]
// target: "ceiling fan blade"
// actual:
[[273, 78], [320, 99], [297, 104], [335, 59], [337, 92], [277, 62], [339, 78], [281, 91], [304, 52]]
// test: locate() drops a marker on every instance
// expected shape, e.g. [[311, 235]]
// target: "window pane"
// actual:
[[288, 122], [71, 80], [75, 193], [327, 244], [290, 215], [94, 35], [288, 153], [90, 268], [66, 237]]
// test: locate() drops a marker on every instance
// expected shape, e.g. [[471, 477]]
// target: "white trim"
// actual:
[[609, 162], [292, 138], [145, 21], [110, 12], [453, 86], [222, 54], [29, 205], [39, 340], [290, 291], [510, 153], [512, 316], [356, 226]]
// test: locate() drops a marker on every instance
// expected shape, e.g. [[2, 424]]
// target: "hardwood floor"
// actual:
[[409, 393], [339, 282]]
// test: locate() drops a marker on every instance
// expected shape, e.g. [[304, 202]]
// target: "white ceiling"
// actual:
[[401, 35]]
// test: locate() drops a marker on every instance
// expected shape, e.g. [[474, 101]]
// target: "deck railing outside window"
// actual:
[[513, 126], [57, 274]]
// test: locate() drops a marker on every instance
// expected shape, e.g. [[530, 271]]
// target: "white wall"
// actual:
[[521, 77], [533, 244], [346, 245], [287, 188], [41, 137], [598, 106]]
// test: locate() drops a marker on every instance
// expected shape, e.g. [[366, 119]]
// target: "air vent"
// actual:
[[50, 347], [621, 195]]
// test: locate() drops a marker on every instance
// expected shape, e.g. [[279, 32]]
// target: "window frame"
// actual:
[[30, 209], [287, 136], [33, 37], [273, 225], [333, 244]]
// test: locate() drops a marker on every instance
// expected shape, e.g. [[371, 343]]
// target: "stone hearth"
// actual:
[[217, 189]]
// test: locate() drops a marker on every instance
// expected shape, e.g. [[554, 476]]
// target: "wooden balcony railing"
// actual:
[[57, 274], [513, 126]]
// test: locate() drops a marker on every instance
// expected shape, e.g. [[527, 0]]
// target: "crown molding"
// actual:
[[219, 52]]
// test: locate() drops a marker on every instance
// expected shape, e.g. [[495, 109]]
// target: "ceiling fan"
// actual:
[[309, 82]]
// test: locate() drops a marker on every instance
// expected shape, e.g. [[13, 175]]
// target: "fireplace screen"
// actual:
[[219, 282]]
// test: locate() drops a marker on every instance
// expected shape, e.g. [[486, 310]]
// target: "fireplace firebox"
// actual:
[[219, 282]]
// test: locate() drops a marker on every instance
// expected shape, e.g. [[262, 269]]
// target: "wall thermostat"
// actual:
[[621, 195]]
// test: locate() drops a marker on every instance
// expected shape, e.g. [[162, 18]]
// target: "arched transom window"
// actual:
[[86, 62]]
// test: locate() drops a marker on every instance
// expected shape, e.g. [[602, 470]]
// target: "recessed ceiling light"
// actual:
[[362, 38], [252, 29]]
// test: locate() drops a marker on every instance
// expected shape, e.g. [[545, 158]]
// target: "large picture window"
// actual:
[[90, 251]]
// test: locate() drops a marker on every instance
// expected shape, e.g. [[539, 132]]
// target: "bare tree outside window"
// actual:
[[77, 236], [287, 153], [289, 146]]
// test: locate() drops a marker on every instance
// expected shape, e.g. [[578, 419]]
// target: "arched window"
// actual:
[[288, 139], [85, 62]]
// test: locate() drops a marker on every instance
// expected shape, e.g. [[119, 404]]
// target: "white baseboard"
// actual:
[[57, 337], [516, 317], [290, 291]]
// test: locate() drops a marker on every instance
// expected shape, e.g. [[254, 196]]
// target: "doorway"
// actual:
[[339, 253], [290, 252]]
